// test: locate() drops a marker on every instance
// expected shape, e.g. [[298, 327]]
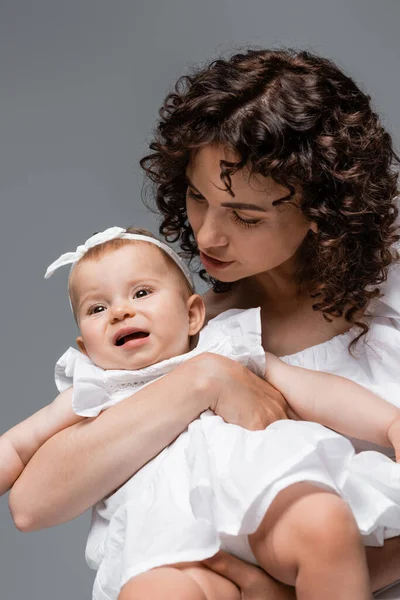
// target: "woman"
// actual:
[[273, 168]]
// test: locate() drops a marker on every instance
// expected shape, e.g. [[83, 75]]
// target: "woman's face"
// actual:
[[243, 235]]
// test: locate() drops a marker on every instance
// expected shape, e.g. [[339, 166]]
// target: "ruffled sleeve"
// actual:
[[383, 339], [375, 360], [90, 396], [64, 369], [236, 334]]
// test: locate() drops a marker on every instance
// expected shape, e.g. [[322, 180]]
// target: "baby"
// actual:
[[135, 306]]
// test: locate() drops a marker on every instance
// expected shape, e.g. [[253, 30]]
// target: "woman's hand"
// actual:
[[254, 583], [238, 395]]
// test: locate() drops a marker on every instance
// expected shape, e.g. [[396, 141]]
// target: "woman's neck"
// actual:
[[277, 292], [278, 287]]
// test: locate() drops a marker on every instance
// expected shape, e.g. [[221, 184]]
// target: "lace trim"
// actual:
[[125, 385]]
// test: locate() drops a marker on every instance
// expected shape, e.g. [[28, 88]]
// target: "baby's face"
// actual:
[[132, 308]]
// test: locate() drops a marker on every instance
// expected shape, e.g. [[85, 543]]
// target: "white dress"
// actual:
[[212, 486]]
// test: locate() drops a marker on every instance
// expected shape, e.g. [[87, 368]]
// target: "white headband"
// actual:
[[113, 233]]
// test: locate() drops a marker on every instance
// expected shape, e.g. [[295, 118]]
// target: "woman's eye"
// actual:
[[141, 293], [245, 222], [194, 195]]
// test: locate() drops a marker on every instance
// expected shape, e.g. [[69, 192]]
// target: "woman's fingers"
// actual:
[[238, 395], [238, 571], [253, 582]]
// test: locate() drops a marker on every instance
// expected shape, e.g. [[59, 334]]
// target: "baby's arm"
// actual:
[[19, 444], [337, 403]]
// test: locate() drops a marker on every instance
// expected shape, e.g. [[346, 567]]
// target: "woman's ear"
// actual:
[[81, 345], [314, 227], [196, 312]]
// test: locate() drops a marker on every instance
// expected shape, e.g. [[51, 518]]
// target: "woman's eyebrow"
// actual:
[[238, 205], [243, 206]]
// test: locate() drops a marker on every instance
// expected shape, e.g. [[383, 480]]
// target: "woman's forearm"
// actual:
[[82, 464]]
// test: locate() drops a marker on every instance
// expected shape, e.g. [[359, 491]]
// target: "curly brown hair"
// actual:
[[297, 118]]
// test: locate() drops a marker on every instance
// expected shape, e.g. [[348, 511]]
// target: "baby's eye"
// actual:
[[141, 293], [94, 310]]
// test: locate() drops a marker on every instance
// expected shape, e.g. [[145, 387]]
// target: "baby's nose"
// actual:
[[121, 312]]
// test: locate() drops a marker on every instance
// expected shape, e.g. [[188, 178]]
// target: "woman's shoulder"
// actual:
[[374, 361]]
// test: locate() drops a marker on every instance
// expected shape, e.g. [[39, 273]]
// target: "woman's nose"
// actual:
[[210, 234], [121, 312]]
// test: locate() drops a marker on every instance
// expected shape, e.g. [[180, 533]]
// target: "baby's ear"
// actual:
[[81, 345], [197, 313]]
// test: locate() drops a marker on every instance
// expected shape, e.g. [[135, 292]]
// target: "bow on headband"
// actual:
[[112, 233]]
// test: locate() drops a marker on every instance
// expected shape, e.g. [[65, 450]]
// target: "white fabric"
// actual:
[[112, 233], [235, 334], [212, 486]]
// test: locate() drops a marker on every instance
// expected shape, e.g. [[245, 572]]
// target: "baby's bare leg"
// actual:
[[309, 539], [189, 581]]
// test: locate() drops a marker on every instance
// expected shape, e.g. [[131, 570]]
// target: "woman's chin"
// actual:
[[224, 277]]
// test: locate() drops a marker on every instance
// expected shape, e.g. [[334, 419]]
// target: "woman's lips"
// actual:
[[214, 263]]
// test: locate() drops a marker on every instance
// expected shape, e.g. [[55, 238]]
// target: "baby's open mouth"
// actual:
[[127, 337]]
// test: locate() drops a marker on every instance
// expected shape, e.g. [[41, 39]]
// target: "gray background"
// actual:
[[81, 83]]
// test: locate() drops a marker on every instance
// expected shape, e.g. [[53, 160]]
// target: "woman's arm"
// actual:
[[19, 444], [82, 464], [337, 403]]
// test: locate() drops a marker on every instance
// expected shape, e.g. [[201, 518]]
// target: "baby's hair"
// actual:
[[96, 252]]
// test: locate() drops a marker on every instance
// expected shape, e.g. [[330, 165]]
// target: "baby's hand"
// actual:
[[394, 438]]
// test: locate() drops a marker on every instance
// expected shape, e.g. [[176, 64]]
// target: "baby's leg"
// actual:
[[309, 539], [189, 581]]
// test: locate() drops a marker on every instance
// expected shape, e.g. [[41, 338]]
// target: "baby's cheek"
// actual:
[[177, 341], [96, 354]]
